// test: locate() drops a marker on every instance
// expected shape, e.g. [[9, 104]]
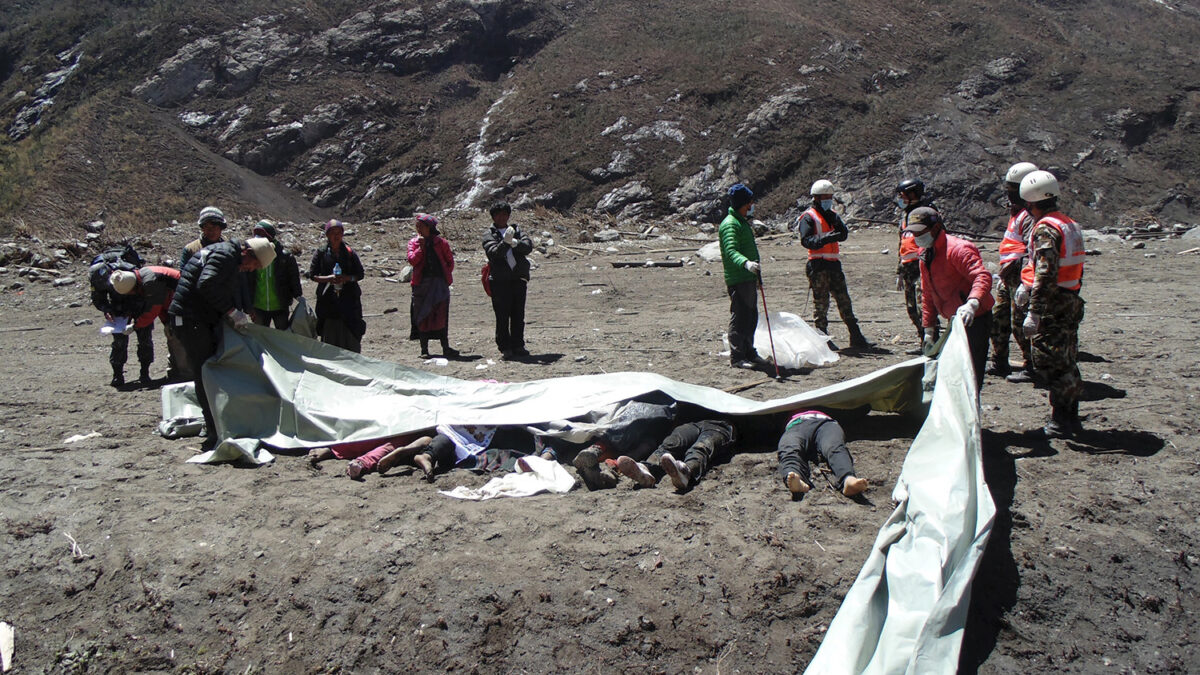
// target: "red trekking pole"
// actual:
[[762, 292]]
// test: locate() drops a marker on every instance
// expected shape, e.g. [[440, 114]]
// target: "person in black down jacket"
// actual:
[[507, 249], [206, 295], [337, 270]]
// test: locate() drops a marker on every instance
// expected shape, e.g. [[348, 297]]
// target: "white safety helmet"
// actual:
[[1039, 186], [1018, 171], [821, 187]]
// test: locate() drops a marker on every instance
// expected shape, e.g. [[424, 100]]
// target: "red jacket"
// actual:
[[416, 258], [955, 275]]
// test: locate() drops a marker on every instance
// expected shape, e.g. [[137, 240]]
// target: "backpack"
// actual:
[[112, 259]]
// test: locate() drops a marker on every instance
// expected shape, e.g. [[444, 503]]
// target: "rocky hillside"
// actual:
[[140, 113]]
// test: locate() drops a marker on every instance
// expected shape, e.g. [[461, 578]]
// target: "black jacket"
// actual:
[[497, 254], [346, 305], [209, 283], [287, 278]]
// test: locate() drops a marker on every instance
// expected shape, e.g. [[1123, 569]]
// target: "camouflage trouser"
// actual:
[[1005, 323], [825, 278], [910, 276], [1055, 349]]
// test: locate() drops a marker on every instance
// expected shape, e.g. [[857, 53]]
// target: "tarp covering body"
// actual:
[[291, 392], [906, 611]]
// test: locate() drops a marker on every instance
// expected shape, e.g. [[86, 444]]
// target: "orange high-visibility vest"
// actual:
[[1070, 252], [828, 251], [909, 251], [1013, 246]]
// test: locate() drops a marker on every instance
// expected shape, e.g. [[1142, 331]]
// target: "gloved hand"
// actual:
[[753, 267], [510, 234], [967, 311], [1021, 296], [1033, 324], [929, 344], [129, 325], [238, 320], [899, 282]]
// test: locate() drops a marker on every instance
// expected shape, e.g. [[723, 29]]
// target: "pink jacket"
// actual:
[[956, 275], [416, 258]]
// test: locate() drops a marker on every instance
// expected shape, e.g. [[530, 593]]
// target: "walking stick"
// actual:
[[762, 292]]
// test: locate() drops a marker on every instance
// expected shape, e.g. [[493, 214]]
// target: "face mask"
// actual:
[[751, 211], [924, 240], [826, 204]]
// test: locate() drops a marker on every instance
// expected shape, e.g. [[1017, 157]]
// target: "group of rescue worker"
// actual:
[[1037, 299]]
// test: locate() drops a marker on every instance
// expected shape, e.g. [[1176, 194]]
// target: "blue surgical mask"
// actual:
[[826, 204], [751, 211], [924, 240]]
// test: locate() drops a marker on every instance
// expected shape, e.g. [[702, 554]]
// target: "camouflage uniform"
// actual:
[[1055, 347], [910, 276], [827, 279], [1007, 318]]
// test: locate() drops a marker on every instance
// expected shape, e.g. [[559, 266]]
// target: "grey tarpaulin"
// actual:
[[906, 611], [291, 392]]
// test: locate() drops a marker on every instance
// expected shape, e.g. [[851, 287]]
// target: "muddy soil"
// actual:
[[119, 557]]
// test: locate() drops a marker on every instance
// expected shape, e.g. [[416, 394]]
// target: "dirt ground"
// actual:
[[120, 557]]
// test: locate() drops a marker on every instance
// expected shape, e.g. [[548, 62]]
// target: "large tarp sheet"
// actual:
[[906, 611], [291, 392]]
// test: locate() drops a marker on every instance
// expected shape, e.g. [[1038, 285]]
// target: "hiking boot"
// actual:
[[144, 376], [118, 380], [857, 339], [636, 471], [450, 352], [520, 352], [999, 369], [587, 463], [1059, 425], [832, 346], [915, 351], [1022, 376], [679, 472], [744, 364]]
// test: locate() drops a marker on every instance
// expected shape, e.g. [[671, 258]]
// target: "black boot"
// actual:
[[1073, 418], [118, 378], [857, 339], [1059, 426], [144, 376]]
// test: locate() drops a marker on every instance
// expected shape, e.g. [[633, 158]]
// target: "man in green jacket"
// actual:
[[739, 254]]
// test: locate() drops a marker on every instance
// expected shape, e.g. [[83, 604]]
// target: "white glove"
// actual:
[[1021, 296], [929, 343], [129, 326], [753, 267], [238, 320], [1033, 324], [967, 311], [510, 235]]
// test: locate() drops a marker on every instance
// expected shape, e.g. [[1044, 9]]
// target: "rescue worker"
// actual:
[[274, 287], [1053, 276], [1006, 316], [739, 257], [211, 223], [153, 286], [205, 297], [954, 282], [911, 194], [820, 231]]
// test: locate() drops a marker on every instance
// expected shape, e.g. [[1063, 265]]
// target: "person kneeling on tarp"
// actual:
[[808, 434], [684, 455]]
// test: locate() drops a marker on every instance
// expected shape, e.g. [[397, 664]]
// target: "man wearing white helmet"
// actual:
[[1006, 318], [820, 231], [1053, 276]]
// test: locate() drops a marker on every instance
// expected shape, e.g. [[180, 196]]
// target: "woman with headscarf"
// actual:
[[337, 270], [433, 267]]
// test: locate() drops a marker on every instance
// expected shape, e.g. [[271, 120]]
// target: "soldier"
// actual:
[[1006, 316], [911, 192], [1054, 275], [820, 231]]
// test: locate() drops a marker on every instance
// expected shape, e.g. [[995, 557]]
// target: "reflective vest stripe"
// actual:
[[1071, 253], [828, 251], [1012, 246]]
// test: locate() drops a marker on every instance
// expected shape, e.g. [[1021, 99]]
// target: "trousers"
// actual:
[[810, 439]]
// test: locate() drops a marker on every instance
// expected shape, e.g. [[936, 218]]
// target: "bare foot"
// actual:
[[425, 463], [853, 485], [796, 484], [317, 455], [388, 460]]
